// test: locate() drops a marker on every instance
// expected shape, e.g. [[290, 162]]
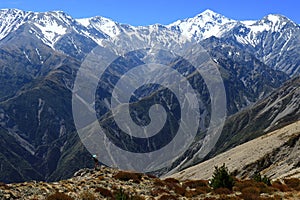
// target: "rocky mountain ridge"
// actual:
[[53, 27]]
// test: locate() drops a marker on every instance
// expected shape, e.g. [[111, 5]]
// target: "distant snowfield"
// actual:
[[250, 152]]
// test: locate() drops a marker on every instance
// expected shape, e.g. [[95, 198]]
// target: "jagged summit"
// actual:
[[106, 25], [48, 26], [273, 22], [203, 25], [55, 24], [210, 14]]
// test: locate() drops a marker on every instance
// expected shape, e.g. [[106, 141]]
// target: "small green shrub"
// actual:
[[121, 195], [258, 178], [221, 178]]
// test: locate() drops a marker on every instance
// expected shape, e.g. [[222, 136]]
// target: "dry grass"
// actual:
[[195, 183], [222, 191], [293, 183], [262, 187], [167, 197], [250, 193], [87, 196], [171, 180], [280, 186]]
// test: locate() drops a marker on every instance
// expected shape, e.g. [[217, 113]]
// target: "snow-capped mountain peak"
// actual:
[[105, 25], [203, 25], [55, 26], [52, 25], [209, 15], [48, 26], [271, 22], [11, 19]]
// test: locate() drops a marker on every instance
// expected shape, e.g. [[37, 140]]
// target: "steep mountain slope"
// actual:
[[246, 78], [274, 40], [35, 106], [275, 155], [275, 111]]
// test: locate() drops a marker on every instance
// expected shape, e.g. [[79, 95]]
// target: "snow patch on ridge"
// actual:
[[102, 24]]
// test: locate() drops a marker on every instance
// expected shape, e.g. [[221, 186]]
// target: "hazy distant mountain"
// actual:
[[41, 53]]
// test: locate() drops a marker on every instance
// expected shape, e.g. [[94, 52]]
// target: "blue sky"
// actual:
[[145, 12]]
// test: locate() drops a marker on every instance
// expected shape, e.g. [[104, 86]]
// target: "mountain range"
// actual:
[[42, 52]]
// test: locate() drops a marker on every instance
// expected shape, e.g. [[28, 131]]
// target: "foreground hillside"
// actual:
[[275, 154], [107, 183]]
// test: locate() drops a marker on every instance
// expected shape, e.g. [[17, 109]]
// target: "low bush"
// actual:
[[172, 184], [167, 197], [222, 191], [158, 182], [104, 192], [293, 183], [263, 188], [280, 186], [250, 193], [195, 183], [171, 180], [126, 176], [59, 196], [179, 190], [87, 196], [151, 176], [4, 186], [159, 191]]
